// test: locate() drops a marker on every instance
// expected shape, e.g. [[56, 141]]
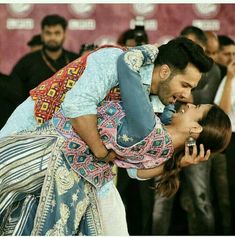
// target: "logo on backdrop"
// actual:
[[144, 9], [207, 10], [83, 10], [20, 9]]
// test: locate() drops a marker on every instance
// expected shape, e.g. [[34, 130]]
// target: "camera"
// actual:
[[140, 34]]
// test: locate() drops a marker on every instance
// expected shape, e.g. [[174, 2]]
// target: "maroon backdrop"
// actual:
[[103, 23]]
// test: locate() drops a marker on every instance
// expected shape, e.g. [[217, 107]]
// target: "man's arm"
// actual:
[[80, 104], [140, 118], [86, 127], [150, 173]]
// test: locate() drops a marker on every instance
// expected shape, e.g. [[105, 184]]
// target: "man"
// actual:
[[208, 85], [226, 100], [133, 37], [226, 53], [82, 84], [127, 38], [212, 47], [100, 73], [195, 180], [35, 67]]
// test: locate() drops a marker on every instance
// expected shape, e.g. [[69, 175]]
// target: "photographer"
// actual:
[[134, 37]]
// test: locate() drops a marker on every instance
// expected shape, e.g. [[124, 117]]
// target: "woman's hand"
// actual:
[[194, 157]]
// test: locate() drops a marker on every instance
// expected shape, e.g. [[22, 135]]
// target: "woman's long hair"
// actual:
[[215, 136]]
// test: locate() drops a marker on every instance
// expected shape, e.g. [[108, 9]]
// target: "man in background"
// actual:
[[226, 53], [212, 47], [196, 189], [225, 98], [35, 67]]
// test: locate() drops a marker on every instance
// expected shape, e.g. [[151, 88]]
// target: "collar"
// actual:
[[146, 73]]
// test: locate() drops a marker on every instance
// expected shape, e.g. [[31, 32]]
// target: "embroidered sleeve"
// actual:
[[140, 56], [98, 78], [140, 118], [133, 174], [150, 152]]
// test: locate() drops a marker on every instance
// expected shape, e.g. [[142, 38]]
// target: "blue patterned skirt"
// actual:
[[39, 192]]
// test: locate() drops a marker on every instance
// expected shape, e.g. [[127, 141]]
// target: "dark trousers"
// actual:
[[195, 200], [221, 197], [230, 157], [137, 197]]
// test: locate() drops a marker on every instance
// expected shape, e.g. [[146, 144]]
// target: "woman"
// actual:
[[52, 153]]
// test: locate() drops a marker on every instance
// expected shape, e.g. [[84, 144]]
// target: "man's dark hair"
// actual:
[[128, 34], [225, 41], [52, 20], [197, 32], [180, 51]]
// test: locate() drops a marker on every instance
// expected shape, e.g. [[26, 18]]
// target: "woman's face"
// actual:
[[189, 115]]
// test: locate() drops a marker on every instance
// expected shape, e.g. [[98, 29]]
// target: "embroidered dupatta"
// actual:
[[152, 151]]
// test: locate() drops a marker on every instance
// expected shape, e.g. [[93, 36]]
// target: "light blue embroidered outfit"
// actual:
[[72, 94]]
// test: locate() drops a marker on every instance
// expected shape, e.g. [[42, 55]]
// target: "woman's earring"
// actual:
[[190, 140]]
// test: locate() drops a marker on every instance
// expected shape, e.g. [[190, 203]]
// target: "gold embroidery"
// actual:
[[64, 180], [125, 138], [74, 197], [44, 106], [152, 51], [134, 59], [80, 210], [51, 92], [58, 228]]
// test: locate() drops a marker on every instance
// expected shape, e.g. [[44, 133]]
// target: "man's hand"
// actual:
[[86, 127], [195, 157], [110, 157]]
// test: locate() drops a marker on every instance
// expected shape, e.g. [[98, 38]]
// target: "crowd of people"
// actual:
[[100, 142]]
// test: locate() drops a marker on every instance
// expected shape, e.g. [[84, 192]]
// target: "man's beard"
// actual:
[[53, 48], [164, 91]]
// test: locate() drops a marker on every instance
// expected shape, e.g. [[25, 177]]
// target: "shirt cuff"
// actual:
[[71, 111], [133, 174]]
